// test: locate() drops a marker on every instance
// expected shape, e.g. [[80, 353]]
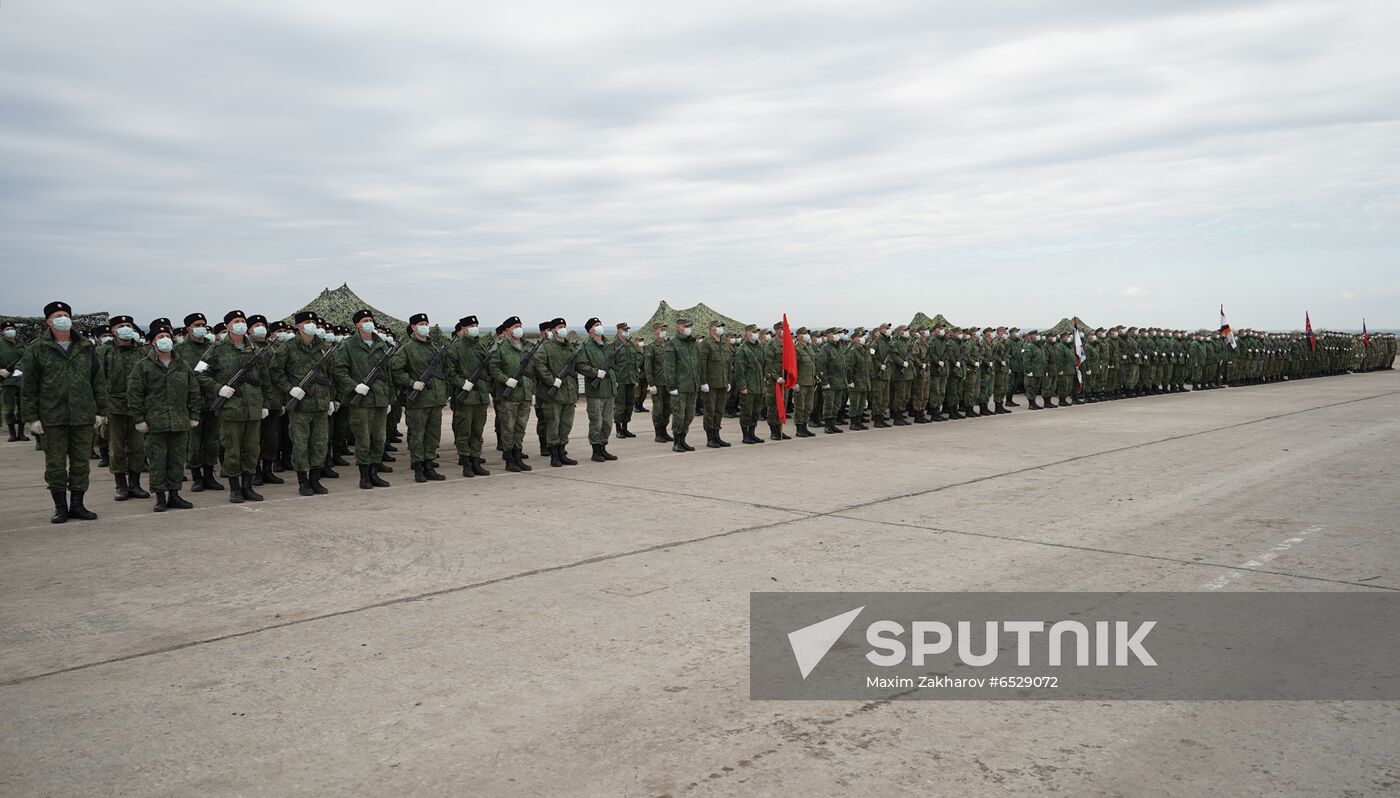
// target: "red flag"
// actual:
[[1307, 330], [1365, 336], [789, 371]]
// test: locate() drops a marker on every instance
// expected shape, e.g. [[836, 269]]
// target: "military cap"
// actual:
[[54, 307], [508, 323], [160, 326], [800, 330], [277, 326], [361, 314], [417, 317], [622, 325], [115, 320], [256, 318], [195, 317], [858, 331], [683, 322], [465, 321], [234, 314], [989, 329], [301, 317], [9, 325], [544, 325], [588, 325], [748, 328], [159, 322], [557, 321], [220, 327], [778, 327]]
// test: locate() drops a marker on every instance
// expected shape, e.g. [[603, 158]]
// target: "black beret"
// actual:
[[115, 320], [257, 318], [362, 313], [276, 326], [417, 317], [220, 327], [160, 322], [194, 317], [9, 325], [54, 307], [546, 325], [341, 329], [557, 322], [157, 329], [588, 325], [508, 323], [465, 321], [234, 314], [304, 316]]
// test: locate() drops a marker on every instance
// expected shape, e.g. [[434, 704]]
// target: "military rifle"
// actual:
[[376, 372], [568, 366], [475, 376], [430, 372], [608, 364], [311, 377], [243, 375]]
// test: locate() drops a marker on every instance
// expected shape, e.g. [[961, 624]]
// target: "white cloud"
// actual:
[[1134, 292]]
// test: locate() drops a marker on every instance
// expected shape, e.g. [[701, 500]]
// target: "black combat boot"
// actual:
[[554, 461], [269, 476], [326, 472], [511, 463], [175, 501], [365, 484], [1001, 409], [985, 410], [123, 492], [1050, 402], [160, 502], [710, 439], [1030, 403], [207, 479], [476, 468], [685, 447], [881, 423], [104, 458], [314, 477], [389, 447], [607, 455], [60, 505], [623, 432], [247, 487], [14, 432], [19, 432], [723, 444], [1011, 401], [749, 437], [418, 475], [257, 476], [936, 415], [235, 491], [388, 458], [133, 484], [564, 456], [900, 420], [678, 443], [430, 471], [338, 460], [661, 434], [774, 433], [374, 479], [802, 431], [520, 461], [196, 482], [76, 508], [920, 418]]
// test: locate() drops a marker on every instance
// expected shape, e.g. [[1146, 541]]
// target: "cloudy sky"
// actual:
[[1016, 161]]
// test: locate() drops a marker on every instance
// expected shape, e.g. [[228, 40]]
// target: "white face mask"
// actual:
[[517, 332], [106, 339], [239, 328], [857, 340], [719, 330], [259, 332], [422, 330], [10, 334], [126, 334], [942, 333], [284, 336], [622, 334], [199, 332], [164, 344], [685, 332], [310, 329], [367, 326], [474, 331], [641, 344], [753, 337], [663, 335], [806, 338]]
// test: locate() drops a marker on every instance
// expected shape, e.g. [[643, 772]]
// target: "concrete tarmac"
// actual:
[[584, 631]]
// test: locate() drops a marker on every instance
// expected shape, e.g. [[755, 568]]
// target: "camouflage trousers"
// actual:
[[952, 397], [833, 401], [682, 412], [468, 428], [66, 450], [937, 388], [770, 401], [165, 455], [1066, 386], [1002, 387], [310, 436], [424, 433], [713, 405], [900, 391], [1133, 376], [972, 384], [660, 408], [368, 430], [749, 406], [9, 396], [622, 409], [803, 401], [242, 440], [270, 435], [558, 418], [984, 391], [1032, 386], [600, 418], [859, 401], [204, 442], [880, 397], [514, 419], [128, 446], [921, 391]]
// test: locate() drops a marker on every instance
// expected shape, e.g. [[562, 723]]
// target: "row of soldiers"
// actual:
[[256, 397]]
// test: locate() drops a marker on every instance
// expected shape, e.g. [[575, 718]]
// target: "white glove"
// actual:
[[98, 421], [388, 410], [297, 393], [826, 386], [602, 374], [977, 364], [872, 351], [331, 407], [1003, 362], [4, 374], [418, 385], [727, 386], [17, 373], [201, 367], [194, 422], [558, 382], [266, 413], [850, 385], [940, 364], [906, 365], [142, 427], [1030, 373], [36, 427], [1125, 357], [226, 392], [362, 389], [651, 389], [675, 392], [705, 388], [779, 380], [796, 388], [511, 382], [882, 366], [467, 385]]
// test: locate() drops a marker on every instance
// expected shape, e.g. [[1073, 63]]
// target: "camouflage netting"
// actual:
[[27, 328], [339, 307], [700, 315], [922, 321], [1068, 326]]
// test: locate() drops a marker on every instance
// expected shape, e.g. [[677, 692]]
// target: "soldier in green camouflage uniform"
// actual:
[[366, 402], [597, 364], [940, 365], [126, 443], [425, 396], [510, 376], [64, 398], [164, 397], [307, 422], [804, 392], [749, 363], [469, 382], [11, 353], [680, 372], [203, 441], [919, 352], [626, 372], [881, 350], [714, 353], [244, 406], [1033, 367], [263, 335], [858, 376], [831, 372], [1016, 382], [1001, 368], [653, 366]]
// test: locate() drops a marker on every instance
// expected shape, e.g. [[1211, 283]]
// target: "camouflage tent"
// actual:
[[922, 321], [339, 306], [27, 328], [700, 314], [1068, 326]]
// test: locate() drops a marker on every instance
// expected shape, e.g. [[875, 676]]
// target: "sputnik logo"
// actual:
[[810, 644]]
